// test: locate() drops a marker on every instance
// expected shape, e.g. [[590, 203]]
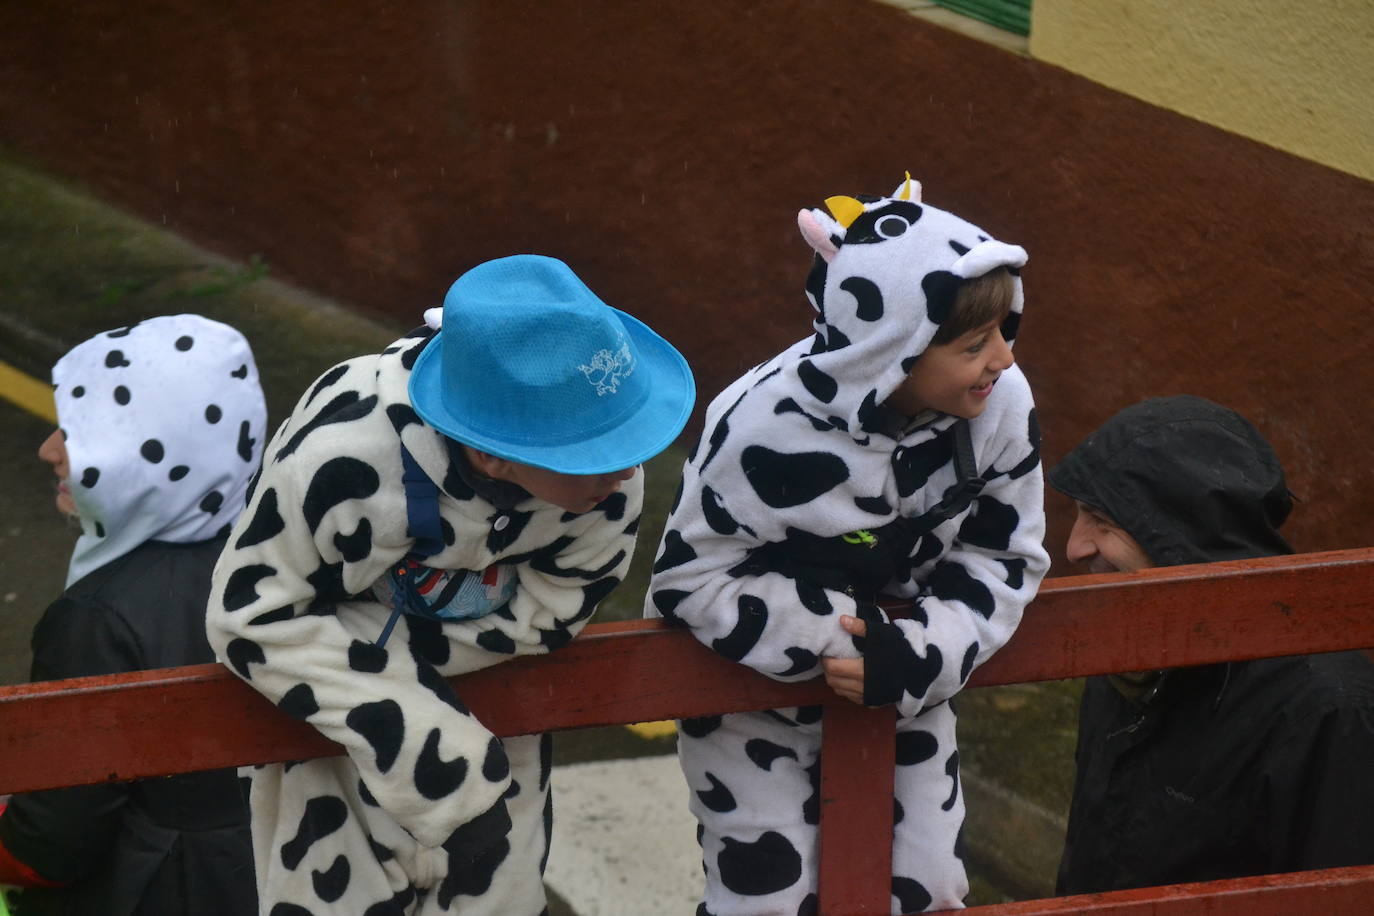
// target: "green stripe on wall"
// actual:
[[1012, 15]]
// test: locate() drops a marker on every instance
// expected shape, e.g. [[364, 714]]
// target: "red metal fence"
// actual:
[[153, 723]]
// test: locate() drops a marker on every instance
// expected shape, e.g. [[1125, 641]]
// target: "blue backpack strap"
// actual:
[[422, 508], [422, 521]]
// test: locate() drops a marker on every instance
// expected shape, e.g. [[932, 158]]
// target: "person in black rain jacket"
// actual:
[[161, 428], [1218, 771]]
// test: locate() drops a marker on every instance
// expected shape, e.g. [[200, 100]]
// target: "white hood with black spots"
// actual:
[[164, 423], [799, 456], [881, 286]]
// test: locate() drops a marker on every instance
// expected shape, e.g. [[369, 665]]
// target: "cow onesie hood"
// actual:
[[806, 499]]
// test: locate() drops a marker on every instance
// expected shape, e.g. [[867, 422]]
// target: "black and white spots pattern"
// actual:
[[912, 465], [299, 702], [782, 480], [821, 386], [805, 505], [338, 851], [129, 403], [754, 784], [750, 620], [868, 299], [449, 810], [331, 884], [764, 866], [323, 815]]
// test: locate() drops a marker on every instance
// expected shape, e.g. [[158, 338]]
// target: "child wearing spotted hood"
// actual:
[[465, 497], [892, 454], [161, 426]]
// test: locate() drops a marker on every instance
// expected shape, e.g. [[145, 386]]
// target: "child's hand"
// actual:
[[845, 676]]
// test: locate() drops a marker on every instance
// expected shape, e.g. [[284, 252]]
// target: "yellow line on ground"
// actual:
[[27, 392], [653, 729]]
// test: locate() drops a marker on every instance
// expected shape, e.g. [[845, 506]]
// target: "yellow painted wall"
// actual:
[[1298, 76]]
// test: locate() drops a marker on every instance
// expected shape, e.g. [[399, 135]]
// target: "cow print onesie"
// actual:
[[428, 812], [788, 518]]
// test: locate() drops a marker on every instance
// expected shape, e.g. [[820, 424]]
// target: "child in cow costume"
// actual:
[[893, 453], [465, 497]]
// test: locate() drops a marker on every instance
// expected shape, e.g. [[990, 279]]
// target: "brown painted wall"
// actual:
[[663, 150]]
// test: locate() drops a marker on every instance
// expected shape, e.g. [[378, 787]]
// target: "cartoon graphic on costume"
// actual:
[[420, 811], [805, 499]]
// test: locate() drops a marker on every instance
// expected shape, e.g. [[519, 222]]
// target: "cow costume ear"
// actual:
[[910, 189], [985, 256], [820, 232]]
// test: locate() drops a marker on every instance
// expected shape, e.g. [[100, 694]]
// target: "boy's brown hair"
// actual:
[[979, 301]]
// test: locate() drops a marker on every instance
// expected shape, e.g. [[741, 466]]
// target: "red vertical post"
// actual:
[[858, 754]]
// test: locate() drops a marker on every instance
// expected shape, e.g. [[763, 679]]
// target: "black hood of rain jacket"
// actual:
[[1190, 480]]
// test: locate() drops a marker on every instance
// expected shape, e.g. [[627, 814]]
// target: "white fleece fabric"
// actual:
[[798, 461], [292, 614]]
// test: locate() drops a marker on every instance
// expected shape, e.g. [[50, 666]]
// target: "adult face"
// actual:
[[1102, 545], [54, 452]]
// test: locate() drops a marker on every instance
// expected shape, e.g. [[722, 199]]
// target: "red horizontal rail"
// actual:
[[1327, 892], [108, 728], [1191, 615]]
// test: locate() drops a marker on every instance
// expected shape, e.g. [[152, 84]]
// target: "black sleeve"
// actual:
[[1320, 791], [1083, 838], [64, 834], [81, 638]]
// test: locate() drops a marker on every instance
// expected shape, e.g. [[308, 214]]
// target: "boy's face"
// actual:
[[576, 493], [1103, 545], [54, 452], [955, 378]]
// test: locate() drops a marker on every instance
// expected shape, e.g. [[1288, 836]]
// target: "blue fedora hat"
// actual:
[[530, 365]]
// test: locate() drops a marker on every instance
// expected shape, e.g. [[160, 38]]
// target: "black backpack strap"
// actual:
[[964, 464], [964, 490]]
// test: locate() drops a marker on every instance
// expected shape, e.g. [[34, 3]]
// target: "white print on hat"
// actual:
[[607, 368]]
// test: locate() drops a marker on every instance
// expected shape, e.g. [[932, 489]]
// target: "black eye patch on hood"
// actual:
[[886, 222]]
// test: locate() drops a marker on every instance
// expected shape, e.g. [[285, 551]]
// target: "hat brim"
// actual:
[[645, 432]]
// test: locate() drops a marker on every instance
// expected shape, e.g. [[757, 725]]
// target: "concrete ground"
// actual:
[[624, 842]]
